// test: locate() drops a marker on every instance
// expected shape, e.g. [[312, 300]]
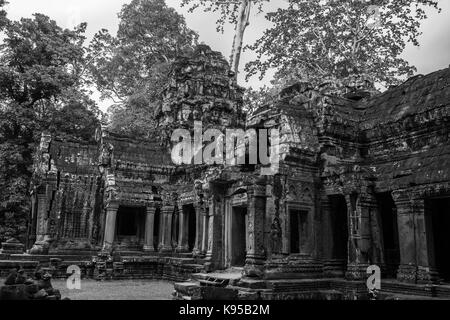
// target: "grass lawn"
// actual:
[[117, 290]]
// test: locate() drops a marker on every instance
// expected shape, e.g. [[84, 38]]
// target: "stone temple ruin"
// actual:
[[364, 179]]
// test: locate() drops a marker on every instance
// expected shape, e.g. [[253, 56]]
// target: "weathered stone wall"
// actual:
[[67, 196]]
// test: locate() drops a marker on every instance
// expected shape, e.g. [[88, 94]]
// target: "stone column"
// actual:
[[84, 220], [371, 235], [215, 252], [31, 236], [415, 241], [206, 216], [41, 246], [407, 270], [327, 228], [426, 272], [149, 228], [359, 206], [209, 245], [110, 225], [166, 228], [183, 245], [41, 228], [254, 264], [199, 213], [174, 228]]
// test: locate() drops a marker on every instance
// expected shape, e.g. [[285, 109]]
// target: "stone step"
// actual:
[[46, 258], [130, 253], [212, 282], [5, 264]]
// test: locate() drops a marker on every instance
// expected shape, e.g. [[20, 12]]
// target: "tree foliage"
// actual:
[[3, 19], [228, 10], [42, 79], [131, 68], [235, 12], [331, 39]]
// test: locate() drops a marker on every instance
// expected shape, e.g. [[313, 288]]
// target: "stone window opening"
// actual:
[[298, 230], [130, 230]]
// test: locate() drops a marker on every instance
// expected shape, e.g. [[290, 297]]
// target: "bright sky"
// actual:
[[434, 53]]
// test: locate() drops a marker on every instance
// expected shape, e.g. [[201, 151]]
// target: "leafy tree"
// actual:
[[131, 68], [235, 12], [3, 19], [254, 99], [42, 75], [340, 40]]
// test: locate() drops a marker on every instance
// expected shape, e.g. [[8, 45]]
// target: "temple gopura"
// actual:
[[363, 179]]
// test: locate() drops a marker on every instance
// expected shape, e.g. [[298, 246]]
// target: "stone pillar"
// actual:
[[84, 220], [358, 206], [110, 225], [209, 248], [426, 272], [41, 246], [215, 252], [206, 216], [174, 228], [41, 229], [370, 230], [149, 228], [327, 230], [31, 235], [183, 245], [199, 213], [166, 228], [254, 264], [407, 270], [414, 240]]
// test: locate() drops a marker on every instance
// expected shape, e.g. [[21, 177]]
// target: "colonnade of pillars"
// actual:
[[172, 230], [365, 235]]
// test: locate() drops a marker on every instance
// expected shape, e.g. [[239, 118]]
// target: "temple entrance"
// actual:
[[238, 236], [189, 212], [339, 227], [389, 227], [298, 230], [130, 230], [439, 212]]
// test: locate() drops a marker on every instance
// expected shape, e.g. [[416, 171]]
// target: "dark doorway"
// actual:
[[389, 228], [238, 237], [192, 225], [439, 212], [130, 227], [339, 225], [299, 230], [156, 227]]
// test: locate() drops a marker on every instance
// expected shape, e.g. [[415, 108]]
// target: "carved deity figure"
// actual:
[[275, 236], [106, 155]]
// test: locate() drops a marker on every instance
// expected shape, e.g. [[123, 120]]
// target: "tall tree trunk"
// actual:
[[242, 23]]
